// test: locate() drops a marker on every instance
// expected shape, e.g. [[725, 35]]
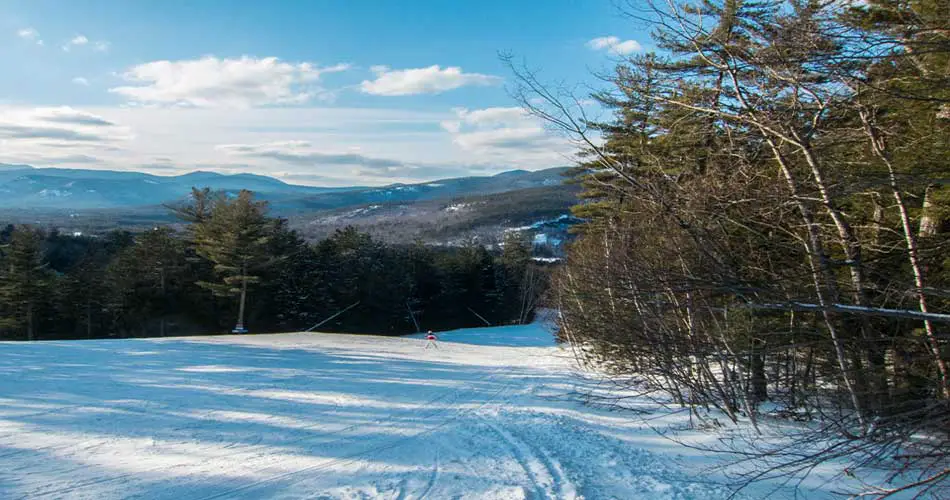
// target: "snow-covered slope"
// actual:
[[323, 416]]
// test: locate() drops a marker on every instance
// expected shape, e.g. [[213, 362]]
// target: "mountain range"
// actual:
[[444, 212], [22, 186], [26, 187]]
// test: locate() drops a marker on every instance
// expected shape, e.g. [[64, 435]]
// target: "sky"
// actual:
[[316, 92]]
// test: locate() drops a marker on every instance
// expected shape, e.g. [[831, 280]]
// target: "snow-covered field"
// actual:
[[487, 415]]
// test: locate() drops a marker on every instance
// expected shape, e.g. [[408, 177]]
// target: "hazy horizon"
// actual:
[[288, 179]]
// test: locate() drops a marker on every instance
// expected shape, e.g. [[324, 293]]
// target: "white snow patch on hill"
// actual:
[[489, 414]]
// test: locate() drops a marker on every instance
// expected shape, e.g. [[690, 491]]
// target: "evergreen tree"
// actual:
[[84, 294], [518, 279], [155, 283], [24, 281], [295, 294], [149, 279], [765, 220], [235, 238]]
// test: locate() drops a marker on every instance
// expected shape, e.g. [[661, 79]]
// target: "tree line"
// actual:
[[769, 222], [233, 265]]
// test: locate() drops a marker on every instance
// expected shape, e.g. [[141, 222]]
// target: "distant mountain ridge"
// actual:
[[26, 187], [504, 182]]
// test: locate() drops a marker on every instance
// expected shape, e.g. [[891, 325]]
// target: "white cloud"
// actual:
[[214, 82], [63, 135], [83, 41], [55, 123], [493, 128], [431, 80], [81, 81], [31, 35], [77, 41], [496, 116], [331, 146], [614, 45], [302, 161], [303, 153], [68, 115], [452, 126], [496, 133]]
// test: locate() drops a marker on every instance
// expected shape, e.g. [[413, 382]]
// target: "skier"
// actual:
[[430, 340]]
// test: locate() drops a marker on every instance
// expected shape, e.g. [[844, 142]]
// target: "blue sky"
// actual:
[[317, 92]]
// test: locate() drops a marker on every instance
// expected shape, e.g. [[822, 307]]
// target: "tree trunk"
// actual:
[[759, 385], [930, 223], [29, 320], [88, 319], [822, 276], [878, 219], [880, 149], [240, 320], [161, 324], [872, 351]]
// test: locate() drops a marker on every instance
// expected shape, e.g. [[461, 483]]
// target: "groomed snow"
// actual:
[[490, 414]]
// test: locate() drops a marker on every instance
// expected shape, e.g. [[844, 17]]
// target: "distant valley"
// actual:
[[448, 212]]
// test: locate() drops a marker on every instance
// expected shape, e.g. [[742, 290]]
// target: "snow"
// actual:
[[457, 206], [362, 211], [544, 239], [518, 229], [350, 214], [53, 193], [560, 220], [491, 414]]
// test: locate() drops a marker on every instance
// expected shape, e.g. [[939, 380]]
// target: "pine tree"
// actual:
[[294, 294], [24, 281], [149, 278], [235, 238], [519, 279], [83, 295], [766, 220]]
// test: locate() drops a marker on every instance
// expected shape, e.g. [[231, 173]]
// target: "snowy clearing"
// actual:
[[487, 415]]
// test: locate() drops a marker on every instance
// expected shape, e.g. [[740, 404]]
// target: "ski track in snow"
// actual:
[[386, 421], [433, 478], [322, 416], [541, 476]]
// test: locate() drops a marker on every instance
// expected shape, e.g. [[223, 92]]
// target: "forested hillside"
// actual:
[[445, 212], [452, 220], [769, 223], [161, 282]]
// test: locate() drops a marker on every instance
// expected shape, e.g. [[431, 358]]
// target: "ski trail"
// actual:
[[450, 397], [563, 488], [401, 490], [86, 446], [345, 460], [297, 416], [526, 460], [292, 477], [433, 478], [58, 448]]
